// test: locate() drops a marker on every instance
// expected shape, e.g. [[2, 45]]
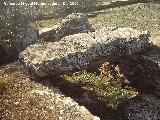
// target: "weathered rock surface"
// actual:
[[63, 107], [44, 30], [153, 55], [143, 107], [142, 71], [25, 99], [72, 24], [80, 51]]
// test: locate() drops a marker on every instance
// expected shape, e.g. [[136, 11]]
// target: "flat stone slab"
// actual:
[[62, 107], [79, 51]]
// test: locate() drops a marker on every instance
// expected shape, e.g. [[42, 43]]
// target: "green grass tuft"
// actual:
[[111, 93]]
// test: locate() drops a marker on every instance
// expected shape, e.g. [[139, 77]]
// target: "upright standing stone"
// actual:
[[72, 24]]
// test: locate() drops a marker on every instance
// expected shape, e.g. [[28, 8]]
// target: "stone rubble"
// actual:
[[80, 47], [73, 46]]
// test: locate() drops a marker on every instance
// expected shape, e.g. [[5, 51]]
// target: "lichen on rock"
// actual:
[[78, 51], [72, 24]]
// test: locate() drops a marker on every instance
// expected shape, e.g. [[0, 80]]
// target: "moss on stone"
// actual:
[[111, 93]]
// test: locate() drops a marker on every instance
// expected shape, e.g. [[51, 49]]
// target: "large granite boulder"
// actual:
[[72, 24], [82, 51], [143, 107]]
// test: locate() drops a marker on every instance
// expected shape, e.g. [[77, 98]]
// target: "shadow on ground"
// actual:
[[82, 95]]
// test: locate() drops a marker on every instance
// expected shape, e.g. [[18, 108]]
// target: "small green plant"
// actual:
[[112, 93]]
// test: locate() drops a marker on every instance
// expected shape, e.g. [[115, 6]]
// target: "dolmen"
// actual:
[[77, 47], [81, 51]]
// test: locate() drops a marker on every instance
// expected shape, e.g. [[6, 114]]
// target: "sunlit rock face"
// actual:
[[80, 51], [143, 107], [63, 108], [72, 24]]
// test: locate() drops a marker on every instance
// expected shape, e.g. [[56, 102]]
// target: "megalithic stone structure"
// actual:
[[80, 51]]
